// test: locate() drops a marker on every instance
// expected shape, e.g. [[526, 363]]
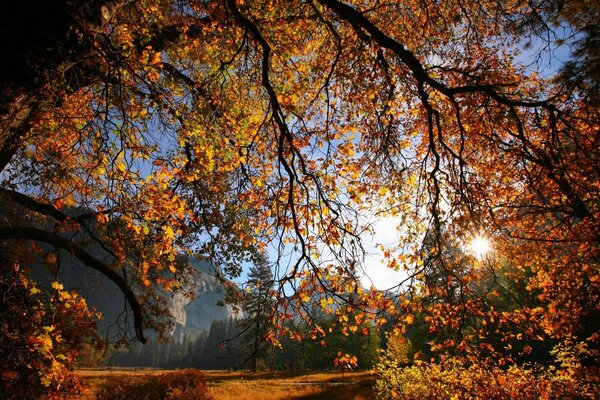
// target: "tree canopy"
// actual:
[[230, 128]]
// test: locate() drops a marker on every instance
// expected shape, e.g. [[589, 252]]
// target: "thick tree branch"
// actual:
[[360, 22], [51, 211], [39, 235]]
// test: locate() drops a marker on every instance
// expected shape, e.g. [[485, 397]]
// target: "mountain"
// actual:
[[194, 315]]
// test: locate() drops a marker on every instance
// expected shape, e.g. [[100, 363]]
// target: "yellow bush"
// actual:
[[454, 380]]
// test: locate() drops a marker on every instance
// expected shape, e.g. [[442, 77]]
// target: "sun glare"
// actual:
[[479, 246]]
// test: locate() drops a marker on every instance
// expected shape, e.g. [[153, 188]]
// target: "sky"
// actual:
[[378, 274]]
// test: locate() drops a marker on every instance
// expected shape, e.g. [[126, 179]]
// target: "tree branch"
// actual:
[[360, 22], [39, 235]]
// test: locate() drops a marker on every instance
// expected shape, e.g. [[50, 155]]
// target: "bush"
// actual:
[[179, 385], [454, 380]]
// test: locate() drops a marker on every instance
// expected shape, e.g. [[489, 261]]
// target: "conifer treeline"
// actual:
[[223, 348], [213, 350]]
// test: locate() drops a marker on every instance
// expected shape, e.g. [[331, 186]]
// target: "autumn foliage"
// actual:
[[231, 129], [41, 335], [454, 380]]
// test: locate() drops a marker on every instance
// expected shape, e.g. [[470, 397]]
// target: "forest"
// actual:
[[204, 352], [312, 151]]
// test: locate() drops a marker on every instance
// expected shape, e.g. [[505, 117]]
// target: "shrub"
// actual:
[[455, 380], [179, 385]]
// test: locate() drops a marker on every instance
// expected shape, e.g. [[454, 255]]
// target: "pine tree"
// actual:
[[259, 308], [198, 350]]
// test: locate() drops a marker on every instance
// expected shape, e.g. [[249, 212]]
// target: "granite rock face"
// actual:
[[195, 314]]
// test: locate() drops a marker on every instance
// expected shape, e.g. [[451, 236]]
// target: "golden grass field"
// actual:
[[245, 385]]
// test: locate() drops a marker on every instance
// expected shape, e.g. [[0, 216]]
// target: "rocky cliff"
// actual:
[[196, 314], [191, 314]]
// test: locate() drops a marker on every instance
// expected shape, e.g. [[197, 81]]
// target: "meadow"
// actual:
[[246, 385]]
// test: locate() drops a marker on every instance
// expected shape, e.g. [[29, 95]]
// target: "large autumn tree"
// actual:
[[156, 127]]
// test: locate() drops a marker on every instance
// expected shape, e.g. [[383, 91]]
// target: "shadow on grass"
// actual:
[[212, 375], [358, 391], [223, 376]]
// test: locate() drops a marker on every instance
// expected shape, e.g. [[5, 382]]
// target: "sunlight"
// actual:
[[479, 246], [376, 272]]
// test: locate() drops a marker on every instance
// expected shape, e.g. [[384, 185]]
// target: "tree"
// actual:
[[40, 336], [220, 349], [226, 126], [259, 309]]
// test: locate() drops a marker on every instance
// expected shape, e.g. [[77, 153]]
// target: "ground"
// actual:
[[245, 385]]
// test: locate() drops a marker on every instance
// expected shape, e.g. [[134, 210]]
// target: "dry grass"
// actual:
[[92, 378], [289, 385], [245, 385]]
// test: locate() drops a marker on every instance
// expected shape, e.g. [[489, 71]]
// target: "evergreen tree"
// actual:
[[197, 350], [259, 308], [219, 353]]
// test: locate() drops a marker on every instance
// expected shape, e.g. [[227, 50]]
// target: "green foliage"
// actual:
[[364, 346], [180, 385], [221, 349], [155, 354], [259, 308], [306, 353]]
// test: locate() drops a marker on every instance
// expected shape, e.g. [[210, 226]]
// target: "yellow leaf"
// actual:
[[169, 233]]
